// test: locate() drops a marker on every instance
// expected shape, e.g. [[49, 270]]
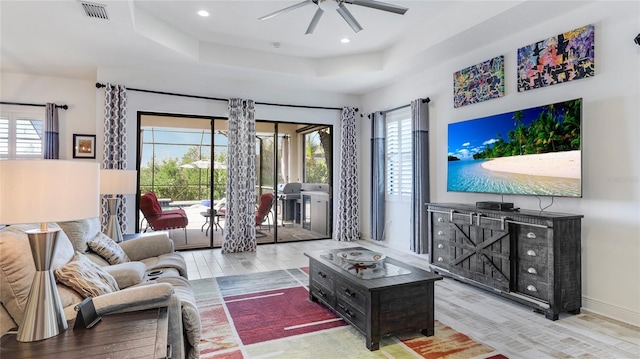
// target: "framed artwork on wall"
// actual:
[[566, 57], [84, 146], [480, 82]]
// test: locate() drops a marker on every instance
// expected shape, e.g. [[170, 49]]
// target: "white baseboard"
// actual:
[[611, 311]]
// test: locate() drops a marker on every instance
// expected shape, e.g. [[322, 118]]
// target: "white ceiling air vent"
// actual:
[[97, 11]]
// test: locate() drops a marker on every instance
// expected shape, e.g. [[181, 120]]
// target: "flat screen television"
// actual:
[[535, 151]]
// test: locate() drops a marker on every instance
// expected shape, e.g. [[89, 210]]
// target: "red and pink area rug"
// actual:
[[269, 315]]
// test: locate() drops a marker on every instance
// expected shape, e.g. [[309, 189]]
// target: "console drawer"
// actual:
[[441, 253], [530, 235], [533, 251], [531, 285]]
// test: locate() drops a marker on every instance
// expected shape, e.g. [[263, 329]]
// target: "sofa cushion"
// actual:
[[127, 274], [17, 268], [81, 231], [86, 277], [108, 249]]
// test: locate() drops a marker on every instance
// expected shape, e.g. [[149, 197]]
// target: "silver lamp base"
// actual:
[[43, 316], [113, 227]]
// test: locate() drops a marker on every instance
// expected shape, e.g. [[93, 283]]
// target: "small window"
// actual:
[[398, 152], [21, 135]]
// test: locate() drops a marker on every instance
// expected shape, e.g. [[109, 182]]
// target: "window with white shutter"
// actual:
[[21, 135], [398, 153]]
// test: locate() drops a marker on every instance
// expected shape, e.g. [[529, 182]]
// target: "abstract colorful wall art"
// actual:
[[479, 82], [558, 59]]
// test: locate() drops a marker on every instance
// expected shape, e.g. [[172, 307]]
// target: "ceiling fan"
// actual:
[[342, 10]]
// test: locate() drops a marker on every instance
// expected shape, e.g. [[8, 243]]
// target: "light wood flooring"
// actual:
[[511, 328]]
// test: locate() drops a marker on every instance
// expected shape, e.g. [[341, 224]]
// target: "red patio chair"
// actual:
[[159, 220], [264, 209]]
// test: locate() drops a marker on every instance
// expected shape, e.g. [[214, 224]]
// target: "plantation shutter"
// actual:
[[20, 136], [4, 137], [398, 152]]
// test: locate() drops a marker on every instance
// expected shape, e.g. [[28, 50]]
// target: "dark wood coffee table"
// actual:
[[388, 298]]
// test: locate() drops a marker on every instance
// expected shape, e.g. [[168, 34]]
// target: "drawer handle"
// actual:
[[440, 259], [531, 288], [531, 253], [440, 233], [531, 235], [440, 246], [440, 219], [346, 311], [532, 270], [349, 293], [322, 274], [322, 293]]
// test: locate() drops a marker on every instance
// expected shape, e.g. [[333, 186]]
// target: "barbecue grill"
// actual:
[[288, 194]]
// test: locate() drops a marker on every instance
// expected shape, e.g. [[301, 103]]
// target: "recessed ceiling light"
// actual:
[[203, 13], [345, 40]]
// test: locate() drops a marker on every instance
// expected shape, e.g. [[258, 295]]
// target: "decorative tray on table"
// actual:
[[365, 264], [362, 257]]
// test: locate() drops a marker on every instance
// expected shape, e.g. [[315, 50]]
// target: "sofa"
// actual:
[[141, 273]]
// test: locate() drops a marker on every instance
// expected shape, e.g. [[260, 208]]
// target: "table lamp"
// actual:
[[44, 191], [113, 183]]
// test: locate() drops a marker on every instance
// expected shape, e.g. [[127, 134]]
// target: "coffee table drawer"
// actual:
[[323, 294], [322, 275], [352, 315], [351, 294]]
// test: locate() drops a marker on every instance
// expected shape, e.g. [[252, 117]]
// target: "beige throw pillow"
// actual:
[[108, 249], [86, 277]]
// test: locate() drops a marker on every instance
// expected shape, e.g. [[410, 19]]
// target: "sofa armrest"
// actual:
[[136, 298], [147, 246]]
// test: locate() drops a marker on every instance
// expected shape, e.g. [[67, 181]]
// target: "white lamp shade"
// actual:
[[43, 191], [118, 181]]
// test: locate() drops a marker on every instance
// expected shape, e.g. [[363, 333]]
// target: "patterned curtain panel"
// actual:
[[51, 136], [347, 227], [378, 143], [115, 144], [240, 226], [420, 189]]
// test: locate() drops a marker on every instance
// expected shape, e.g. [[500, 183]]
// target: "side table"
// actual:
[[139, 334]]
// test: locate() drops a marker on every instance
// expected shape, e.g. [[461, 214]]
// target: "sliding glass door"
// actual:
[[303, 205], [183, 160]]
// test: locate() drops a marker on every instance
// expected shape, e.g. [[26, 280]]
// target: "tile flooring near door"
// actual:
[[511, 328]]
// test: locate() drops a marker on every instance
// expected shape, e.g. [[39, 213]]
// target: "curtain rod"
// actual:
[[99, 85], [64, 107], [424, 100]]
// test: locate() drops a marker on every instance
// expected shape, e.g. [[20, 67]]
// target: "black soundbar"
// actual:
[[495, 206]]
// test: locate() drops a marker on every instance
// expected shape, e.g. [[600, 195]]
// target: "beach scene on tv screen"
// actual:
[[534, 151]]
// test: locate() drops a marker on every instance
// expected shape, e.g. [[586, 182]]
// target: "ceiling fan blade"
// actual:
[[286, 9], [314, 21], [346, 15], [379, 5]]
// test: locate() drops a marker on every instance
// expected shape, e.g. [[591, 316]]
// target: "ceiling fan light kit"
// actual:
[[341, 9]]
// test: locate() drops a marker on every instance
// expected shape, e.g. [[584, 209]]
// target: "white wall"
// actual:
[[611, 180]]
